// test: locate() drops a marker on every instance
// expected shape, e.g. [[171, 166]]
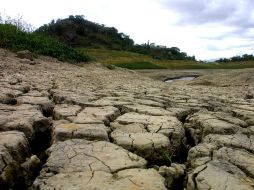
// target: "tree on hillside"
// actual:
[[77, 31]]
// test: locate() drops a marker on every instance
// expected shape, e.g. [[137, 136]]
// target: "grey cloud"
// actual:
[[213, 47], [216, 47], [235, 14], [246, 34], [228, 12], [224, 15], [243, 46]]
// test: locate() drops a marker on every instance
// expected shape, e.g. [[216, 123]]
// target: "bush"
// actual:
[[7, 33], [14, 39]]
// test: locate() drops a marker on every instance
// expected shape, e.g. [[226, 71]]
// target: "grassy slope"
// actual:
[[138, 61], [14, 39]]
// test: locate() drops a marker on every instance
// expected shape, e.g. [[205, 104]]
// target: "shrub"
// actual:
[[14, 39], [7, 33]]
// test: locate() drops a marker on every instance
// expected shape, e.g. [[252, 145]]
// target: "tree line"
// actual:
[[245, 57]]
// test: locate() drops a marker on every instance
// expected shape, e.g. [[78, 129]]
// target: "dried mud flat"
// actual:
[[70, 127]]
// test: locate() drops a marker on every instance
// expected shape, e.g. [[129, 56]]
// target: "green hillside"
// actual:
[[79, 32], [15, 39], [139, 61], [75, 39]]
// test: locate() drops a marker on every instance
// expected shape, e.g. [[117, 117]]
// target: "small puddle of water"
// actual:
[[180, 78]]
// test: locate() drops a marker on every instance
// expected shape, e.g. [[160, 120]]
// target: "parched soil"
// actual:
[[87, 127]]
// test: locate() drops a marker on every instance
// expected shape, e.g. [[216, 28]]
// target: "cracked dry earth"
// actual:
[[83, 128]]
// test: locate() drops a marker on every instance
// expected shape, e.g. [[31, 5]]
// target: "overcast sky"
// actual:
[[207, 29]]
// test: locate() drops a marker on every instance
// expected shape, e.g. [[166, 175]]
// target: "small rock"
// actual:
[[25, 54], [219, 175], [241, 158], [81, 155], [27, 61], [80, 131], [97, 115], [151, 146], [167, 125], [25, 118], [129, 179], [16, 169], [63, 111]]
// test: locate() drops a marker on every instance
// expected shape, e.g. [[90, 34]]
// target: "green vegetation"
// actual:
[[78, 32], [13, 38], [139, 65], [115, 57], [168, 157], [75, 39], [242, 58], [139, 61]]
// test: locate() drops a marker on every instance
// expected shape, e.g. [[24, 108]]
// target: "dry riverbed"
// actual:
[[71, 127]]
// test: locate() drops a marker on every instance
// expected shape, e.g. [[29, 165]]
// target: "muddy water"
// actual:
[[180, 78]]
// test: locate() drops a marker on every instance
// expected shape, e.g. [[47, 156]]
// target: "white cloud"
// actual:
[[220, 28]]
